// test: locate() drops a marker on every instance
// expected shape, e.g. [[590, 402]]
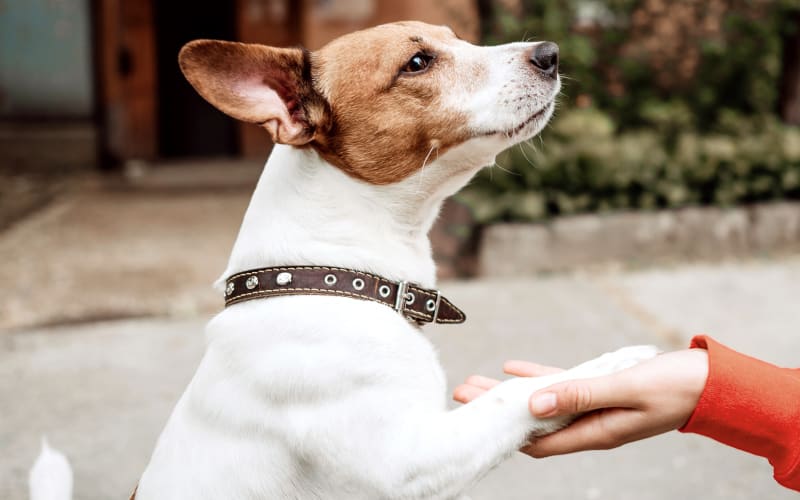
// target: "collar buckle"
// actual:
[[400, 300], [435, 311]]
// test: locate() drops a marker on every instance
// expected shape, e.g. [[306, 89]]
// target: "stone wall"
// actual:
[[639, 238]]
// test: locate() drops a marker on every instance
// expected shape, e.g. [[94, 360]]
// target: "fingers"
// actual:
[[482, 382], [580, 396], [465, 393], [528, 369], [601, 430], [474, 386]]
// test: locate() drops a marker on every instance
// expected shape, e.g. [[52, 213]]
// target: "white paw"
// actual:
[[615, 361]]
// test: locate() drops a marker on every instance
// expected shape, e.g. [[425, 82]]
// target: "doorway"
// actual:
[[187, 125]]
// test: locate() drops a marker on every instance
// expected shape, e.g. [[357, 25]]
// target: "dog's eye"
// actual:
[[419, 62]]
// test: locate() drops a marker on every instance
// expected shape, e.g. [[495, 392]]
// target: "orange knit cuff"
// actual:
[[751, 405]]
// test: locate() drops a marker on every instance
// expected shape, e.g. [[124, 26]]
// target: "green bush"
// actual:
[[648, 121], [583, 164], [726, 55]]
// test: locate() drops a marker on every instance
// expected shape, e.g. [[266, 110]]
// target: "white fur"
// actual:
[[50, 478], [504, 97], [335, 398]]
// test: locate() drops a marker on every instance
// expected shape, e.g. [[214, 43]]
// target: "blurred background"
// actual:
[[663, 200]]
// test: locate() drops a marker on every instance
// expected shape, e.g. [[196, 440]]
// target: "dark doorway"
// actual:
[[188, 125]]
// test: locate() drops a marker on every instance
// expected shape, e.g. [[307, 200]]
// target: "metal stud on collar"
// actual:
[[329, 279], [384, 291], [252, 282], [283, 278], [229, 288], [358, 284]]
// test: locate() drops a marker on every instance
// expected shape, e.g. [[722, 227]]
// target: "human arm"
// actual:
[[753, 406], [651, 398], [742, 402]]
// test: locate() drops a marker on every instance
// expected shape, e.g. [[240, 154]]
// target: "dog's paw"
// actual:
[[615, 361]]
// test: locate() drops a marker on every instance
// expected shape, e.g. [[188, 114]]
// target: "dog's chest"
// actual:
[[278, 382]]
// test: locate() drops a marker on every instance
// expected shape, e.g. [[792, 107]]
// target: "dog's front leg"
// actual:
[[453, 450]]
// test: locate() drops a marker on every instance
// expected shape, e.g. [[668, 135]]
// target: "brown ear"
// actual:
[[253, 83]]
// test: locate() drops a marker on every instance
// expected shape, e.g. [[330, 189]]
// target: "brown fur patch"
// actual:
[[350, 101], [386, 125]]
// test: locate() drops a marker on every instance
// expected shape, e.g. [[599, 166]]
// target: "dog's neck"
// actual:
[[307, 212]]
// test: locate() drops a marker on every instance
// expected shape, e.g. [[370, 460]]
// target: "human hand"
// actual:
[[653, 397]]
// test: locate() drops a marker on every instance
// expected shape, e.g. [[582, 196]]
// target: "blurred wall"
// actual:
[[64, 58], [45, 59], [327, 19]]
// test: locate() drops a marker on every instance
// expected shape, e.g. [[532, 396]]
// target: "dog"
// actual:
[[326, 388]]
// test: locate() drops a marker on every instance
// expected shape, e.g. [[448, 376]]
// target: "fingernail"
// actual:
[[544, 404]]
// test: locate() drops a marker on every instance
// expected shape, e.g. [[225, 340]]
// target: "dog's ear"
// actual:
[[254, 83]]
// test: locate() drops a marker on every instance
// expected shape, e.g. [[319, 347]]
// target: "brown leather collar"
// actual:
[[414, 302]]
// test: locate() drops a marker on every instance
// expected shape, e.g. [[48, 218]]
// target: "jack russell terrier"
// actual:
[[317, 381]]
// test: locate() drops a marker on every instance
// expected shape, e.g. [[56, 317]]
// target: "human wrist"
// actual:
[[694, 381]]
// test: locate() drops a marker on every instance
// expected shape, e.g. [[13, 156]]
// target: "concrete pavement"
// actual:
[[102, 391]]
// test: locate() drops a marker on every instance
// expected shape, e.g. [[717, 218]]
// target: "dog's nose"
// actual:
[[545, 57]]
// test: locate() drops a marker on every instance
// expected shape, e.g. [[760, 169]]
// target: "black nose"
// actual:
[[545, 57]]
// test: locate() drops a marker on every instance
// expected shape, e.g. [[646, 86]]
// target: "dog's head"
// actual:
[[382, 103]]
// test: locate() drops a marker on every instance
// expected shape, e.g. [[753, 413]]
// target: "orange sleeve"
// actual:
[[751, 405]]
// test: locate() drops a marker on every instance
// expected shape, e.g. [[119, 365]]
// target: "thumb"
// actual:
[[580, 396]]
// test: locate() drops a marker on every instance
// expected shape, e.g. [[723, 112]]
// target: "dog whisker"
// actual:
[[524, 155], [424, 164], [510, 172]]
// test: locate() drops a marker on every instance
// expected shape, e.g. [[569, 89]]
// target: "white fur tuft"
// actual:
[[50, 478]]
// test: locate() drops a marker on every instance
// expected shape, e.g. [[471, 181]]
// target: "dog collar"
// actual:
[[412, 301]]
